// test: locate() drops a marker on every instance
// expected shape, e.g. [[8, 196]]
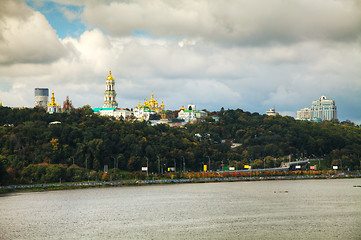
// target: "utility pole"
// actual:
[[184, 165], [158, 164]]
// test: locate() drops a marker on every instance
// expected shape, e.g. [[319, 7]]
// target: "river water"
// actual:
[[301, 209]]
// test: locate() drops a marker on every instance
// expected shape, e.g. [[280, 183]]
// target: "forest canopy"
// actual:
[[80, 141]]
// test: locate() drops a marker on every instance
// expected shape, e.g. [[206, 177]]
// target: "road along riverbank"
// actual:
[[78, 185]]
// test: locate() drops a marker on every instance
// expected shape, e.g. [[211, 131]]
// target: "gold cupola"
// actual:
[[151, 101], [110, 77]]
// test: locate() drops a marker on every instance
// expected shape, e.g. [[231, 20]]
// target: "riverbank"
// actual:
[[80, 185]]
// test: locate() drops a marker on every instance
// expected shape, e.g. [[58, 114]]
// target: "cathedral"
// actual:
[[151, 107]]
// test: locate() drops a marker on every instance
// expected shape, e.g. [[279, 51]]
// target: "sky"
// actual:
[[247, 54]]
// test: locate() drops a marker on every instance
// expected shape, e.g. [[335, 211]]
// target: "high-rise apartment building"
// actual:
[[41, 97], [324, 109], [304, 114]]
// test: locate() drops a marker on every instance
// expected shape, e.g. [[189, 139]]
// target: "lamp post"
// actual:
[[175, 165], [264, 164], [209, 163], [158, 164], [184, 164]]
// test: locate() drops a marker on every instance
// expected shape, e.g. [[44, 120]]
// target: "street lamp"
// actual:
[[264, 164], [184, 164], [147, 165], [158, 164]]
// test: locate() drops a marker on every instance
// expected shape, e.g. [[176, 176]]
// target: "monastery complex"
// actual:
[[148, 111]]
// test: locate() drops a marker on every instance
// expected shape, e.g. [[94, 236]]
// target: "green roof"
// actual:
[[103, 109]]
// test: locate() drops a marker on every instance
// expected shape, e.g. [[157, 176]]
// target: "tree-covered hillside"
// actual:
[[29, 143]]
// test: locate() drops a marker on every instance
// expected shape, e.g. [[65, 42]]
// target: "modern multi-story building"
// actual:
[[304, 114], [41, 97], [324, 109]]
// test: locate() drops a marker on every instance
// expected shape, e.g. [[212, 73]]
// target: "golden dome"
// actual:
[[162, 105], [110, 77], [152, 99]]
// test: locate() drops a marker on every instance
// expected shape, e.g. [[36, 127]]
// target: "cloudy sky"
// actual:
[[248, 54]]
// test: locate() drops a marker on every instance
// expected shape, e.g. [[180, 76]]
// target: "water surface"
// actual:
[[302, 209]]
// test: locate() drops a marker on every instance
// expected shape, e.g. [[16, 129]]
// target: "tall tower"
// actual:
[[109, 95], [41, 97]]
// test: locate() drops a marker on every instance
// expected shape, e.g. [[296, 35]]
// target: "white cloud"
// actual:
[[238, 22], [26, 36]]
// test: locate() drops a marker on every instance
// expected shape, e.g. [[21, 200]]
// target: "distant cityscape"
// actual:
[[323, 109]]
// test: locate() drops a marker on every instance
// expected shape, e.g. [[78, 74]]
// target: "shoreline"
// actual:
[[82, 185]]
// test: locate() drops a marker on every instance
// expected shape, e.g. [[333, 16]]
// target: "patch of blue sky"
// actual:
[[141, 33], [63, 18]]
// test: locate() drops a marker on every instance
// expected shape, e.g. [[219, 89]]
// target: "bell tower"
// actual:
[[109, 95]]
